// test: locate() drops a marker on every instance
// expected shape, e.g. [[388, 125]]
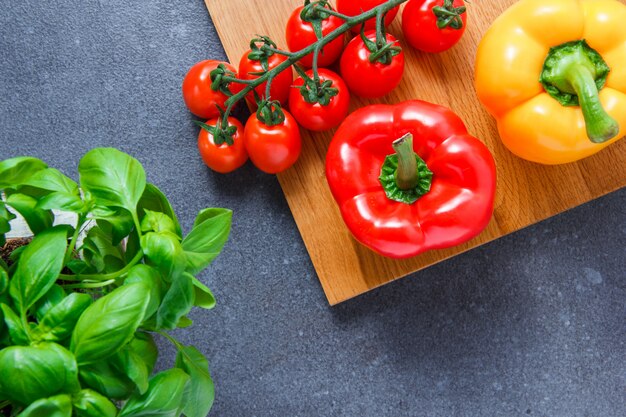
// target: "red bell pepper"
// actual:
[[433, 193]]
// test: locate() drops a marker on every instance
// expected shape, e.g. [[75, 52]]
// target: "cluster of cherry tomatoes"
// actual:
[[371, 65]]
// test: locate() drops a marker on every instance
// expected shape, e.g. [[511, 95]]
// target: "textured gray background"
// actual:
[[532, 324]]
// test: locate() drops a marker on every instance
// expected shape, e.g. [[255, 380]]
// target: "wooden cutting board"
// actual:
[[526, 193]]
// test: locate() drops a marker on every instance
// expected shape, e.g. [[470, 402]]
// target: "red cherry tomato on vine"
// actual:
[[419, 25], [279, 90], [355, 7], [199, 97], [370, 79], [273, 149], [223, 158], [300, 34], [315, 116]]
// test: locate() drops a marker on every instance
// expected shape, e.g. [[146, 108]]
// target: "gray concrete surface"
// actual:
[[530, 325]]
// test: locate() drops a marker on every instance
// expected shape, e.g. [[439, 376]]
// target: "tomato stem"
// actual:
[[337, 14], [237, 80], [276, 51]]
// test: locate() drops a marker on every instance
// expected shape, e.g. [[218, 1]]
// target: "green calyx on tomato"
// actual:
[[207, 86], [448, 15], [313, 12], [270, 113], [221, 78], [221, 133], [381, 50], [261, 52], [227, 155], [405, 177], [366, 78], [433, 26], [321, 115], [313, 90]]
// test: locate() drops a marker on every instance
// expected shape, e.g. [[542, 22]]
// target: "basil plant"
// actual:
[[80, 304]]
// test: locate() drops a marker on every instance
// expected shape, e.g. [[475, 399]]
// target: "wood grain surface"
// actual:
[[526, 193]]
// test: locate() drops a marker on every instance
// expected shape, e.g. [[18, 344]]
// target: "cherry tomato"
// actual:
[[315, 116], [281, 83], [370, 79], [273, 149], [223, 158], [419, 25], [301, 34], [356, 7], [199, 97]]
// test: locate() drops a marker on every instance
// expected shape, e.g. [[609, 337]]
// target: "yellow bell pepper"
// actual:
[[553, 74]]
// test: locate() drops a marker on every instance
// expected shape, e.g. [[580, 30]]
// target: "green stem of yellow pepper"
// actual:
[[600, 126], [573, 73]]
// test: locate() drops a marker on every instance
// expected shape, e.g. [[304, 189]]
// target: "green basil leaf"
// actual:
[[101, 377], [153, 199], [38, 220], [77, 266], [100, 253], [17, 333], [112, 177], [60, 320], [161, 223], [5, 217], [203, 296], [51, 298], [57, 406], [4, 280], [61, 201], [14, 257], [165, 253], [184, 322], [52, 179], [127, 361], [207, 238], [177, 302], [90, 403], [201, 392], [150, 277], [162, 399], [38, 267], [16, 171], [118, 223], [109, 323], [133, 246], [143, 344], [33, 192], [28, 373], [5, 338]]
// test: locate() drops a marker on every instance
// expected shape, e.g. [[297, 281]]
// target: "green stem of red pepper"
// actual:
[[405, 177]]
